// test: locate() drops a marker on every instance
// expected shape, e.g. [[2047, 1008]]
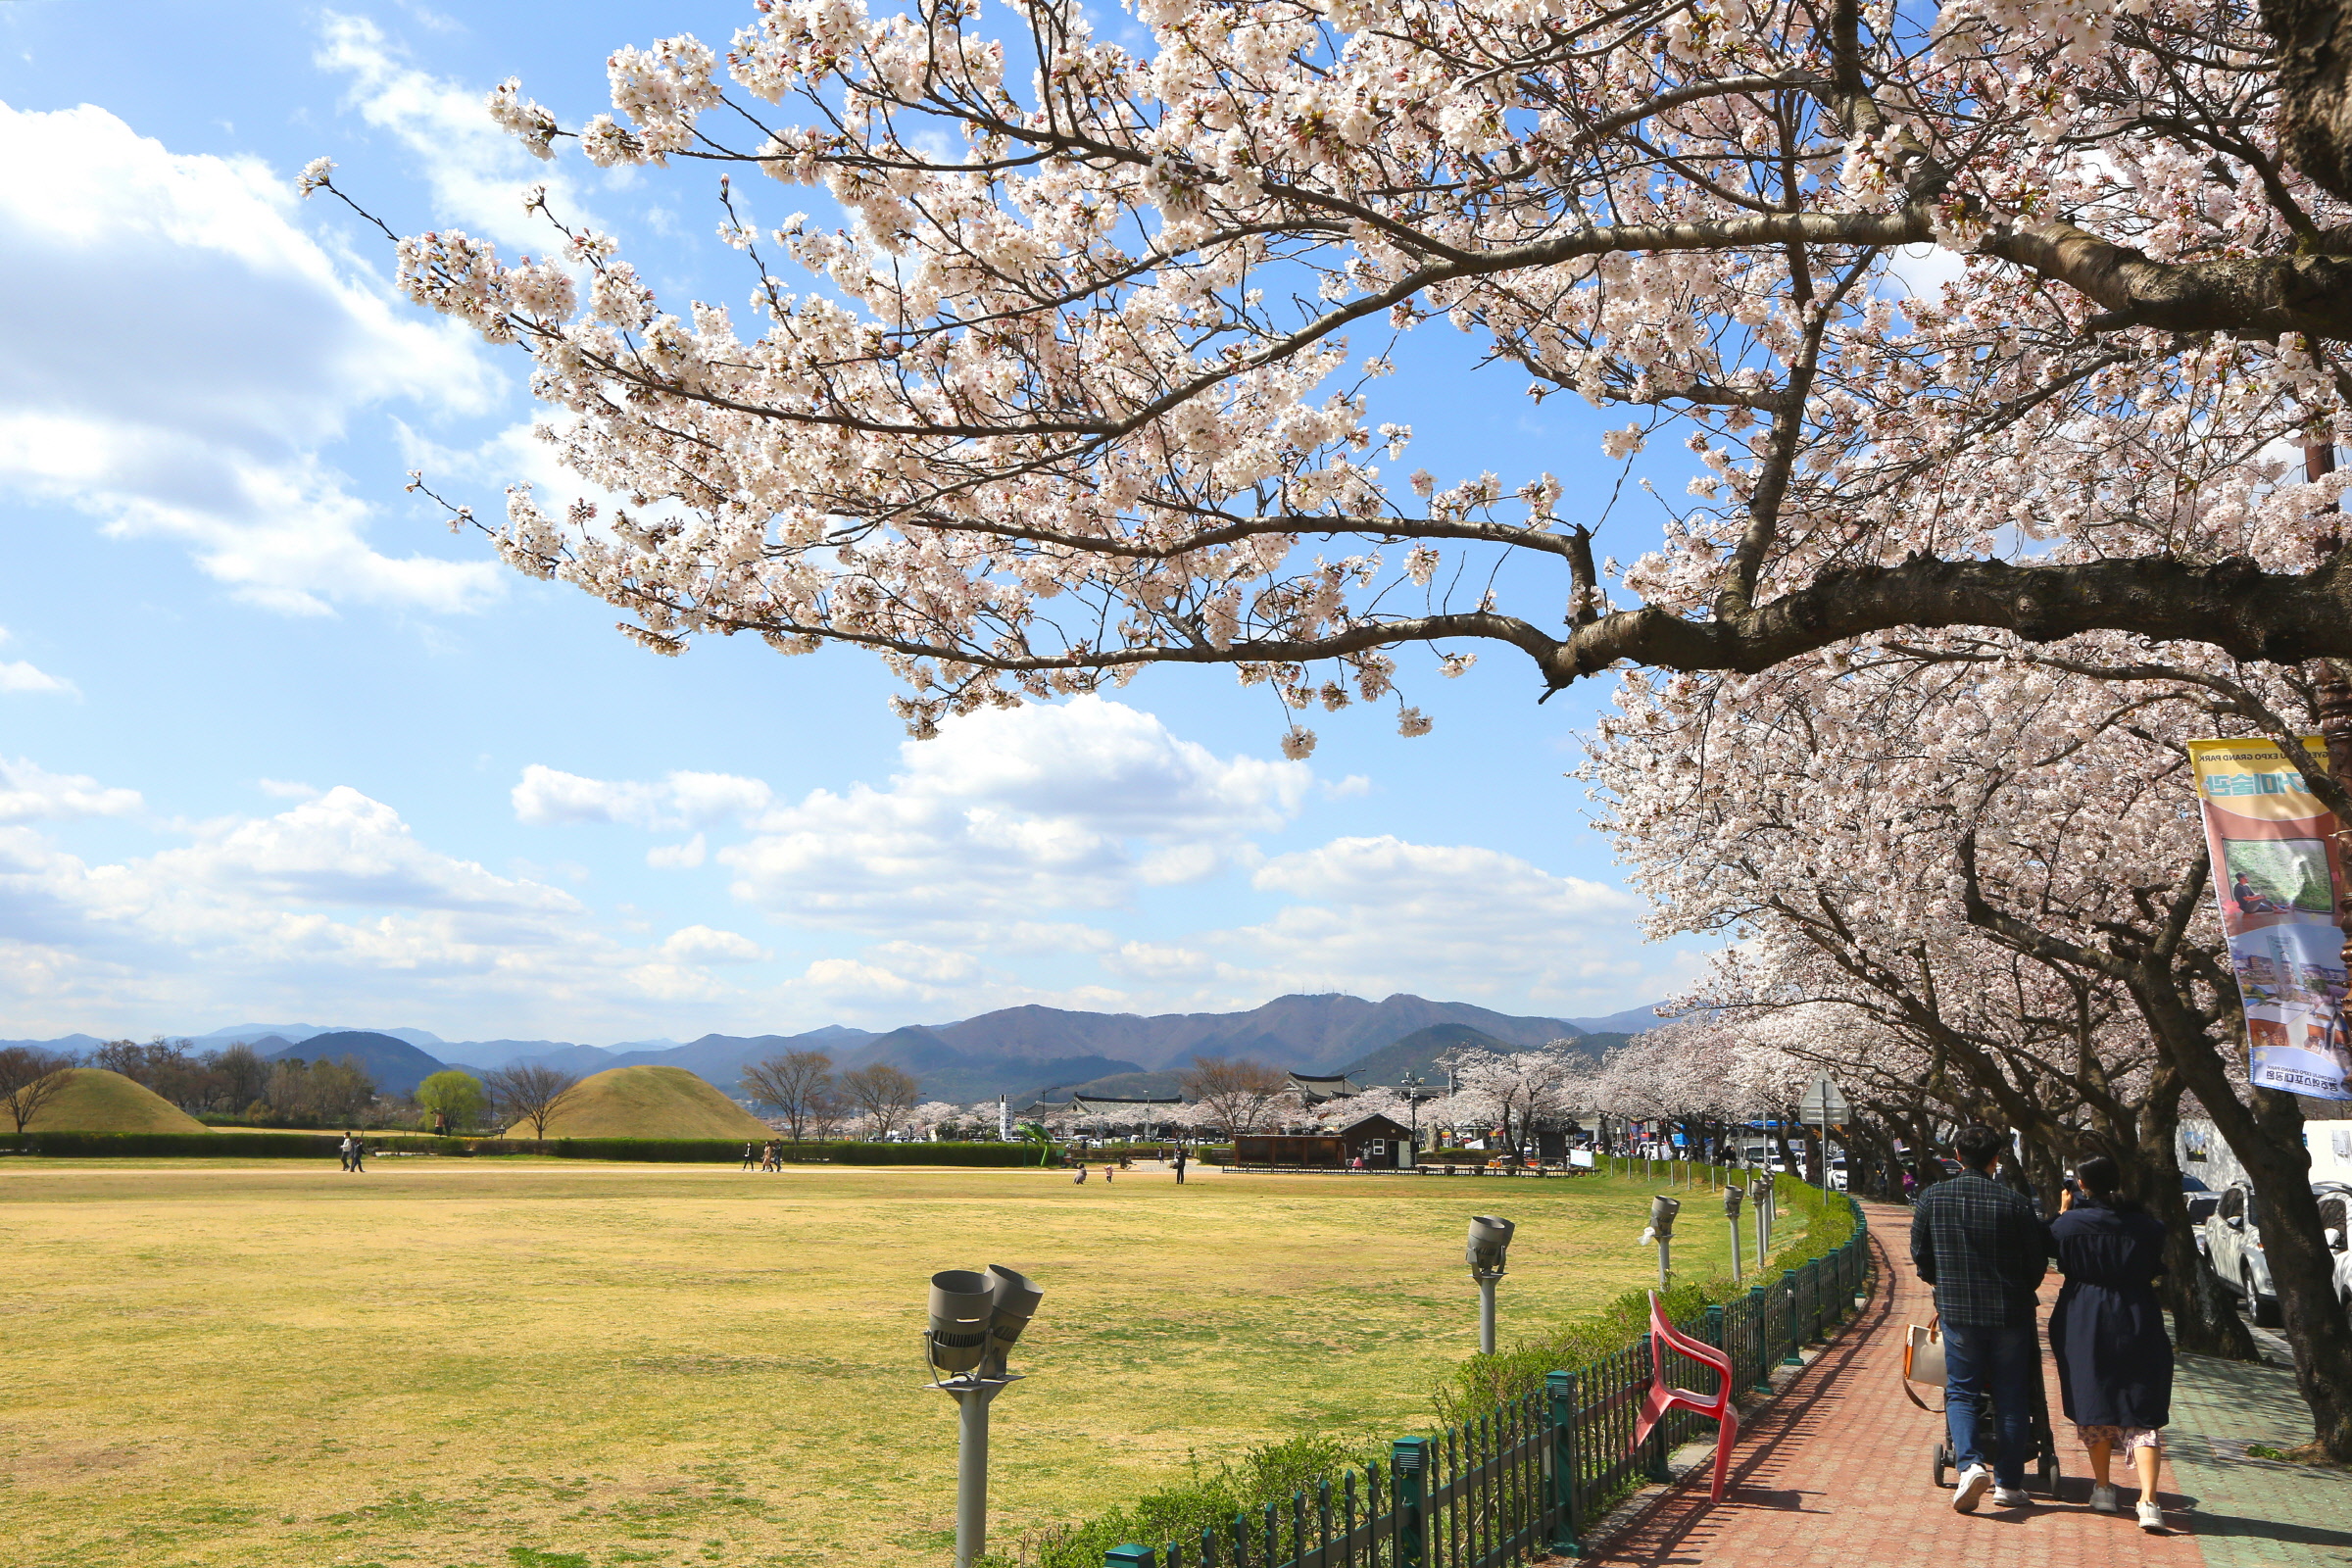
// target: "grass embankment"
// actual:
[[442, 1362], [96, 1100], [648, 1102]]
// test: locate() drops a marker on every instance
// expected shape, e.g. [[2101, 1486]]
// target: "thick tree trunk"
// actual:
[[2314, 87], [2265, 1131], [2044, 1173], [2205, 1320]]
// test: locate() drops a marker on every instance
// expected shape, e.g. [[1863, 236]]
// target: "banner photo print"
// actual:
[[2278, 868]]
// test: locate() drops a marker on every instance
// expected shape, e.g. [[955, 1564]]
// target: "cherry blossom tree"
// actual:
[[1084, 378], [1514, 1094]]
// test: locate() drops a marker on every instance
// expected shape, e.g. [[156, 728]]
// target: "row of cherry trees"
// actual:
[[1966, 875]]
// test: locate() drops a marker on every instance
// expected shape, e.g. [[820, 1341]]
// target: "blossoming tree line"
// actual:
[[1084, 380]]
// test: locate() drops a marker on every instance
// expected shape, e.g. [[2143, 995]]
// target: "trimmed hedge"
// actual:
[[327, 1146]]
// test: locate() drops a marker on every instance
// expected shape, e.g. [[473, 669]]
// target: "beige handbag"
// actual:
[[1923, 1361]]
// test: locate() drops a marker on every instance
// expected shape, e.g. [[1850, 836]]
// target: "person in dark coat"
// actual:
[[2115, 1363]]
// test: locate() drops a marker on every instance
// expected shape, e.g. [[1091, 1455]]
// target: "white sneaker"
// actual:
[[1972, 1482], [2010, 1496], [2151, 1517], [2106, 1499]]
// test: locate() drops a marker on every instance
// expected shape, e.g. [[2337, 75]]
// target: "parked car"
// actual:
[[2233, 1247], [2336, 1214], [2201, 1203]]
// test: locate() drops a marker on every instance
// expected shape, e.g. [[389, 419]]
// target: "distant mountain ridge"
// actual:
[[1013, 1051]]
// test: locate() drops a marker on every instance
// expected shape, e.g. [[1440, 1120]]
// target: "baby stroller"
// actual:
[[2041, 1476]]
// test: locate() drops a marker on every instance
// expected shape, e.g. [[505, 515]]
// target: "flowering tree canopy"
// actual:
[[1086, 382], [1516, 1093]]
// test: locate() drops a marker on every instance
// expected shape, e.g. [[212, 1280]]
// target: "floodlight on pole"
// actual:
[[1731, 1211], [1489, 1240], [975, 1321], [1662, 1211]]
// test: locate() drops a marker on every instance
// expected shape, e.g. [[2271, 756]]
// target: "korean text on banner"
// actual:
[[2278, 868]]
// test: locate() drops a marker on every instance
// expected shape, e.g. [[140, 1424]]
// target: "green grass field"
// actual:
[[537, 1365]]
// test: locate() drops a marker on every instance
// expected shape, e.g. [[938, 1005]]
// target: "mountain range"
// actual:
[[1016, 1051]]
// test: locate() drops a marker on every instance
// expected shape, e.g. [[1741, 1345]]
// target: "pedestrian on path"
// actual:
[[1986, 1249], [2115, 1363], [359, 1153], [749, 1158], [344, 1150]]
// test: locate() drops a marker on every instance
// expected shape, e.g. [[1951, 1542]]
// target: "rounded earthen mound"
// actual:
[[648, 1102], [95, 1100]]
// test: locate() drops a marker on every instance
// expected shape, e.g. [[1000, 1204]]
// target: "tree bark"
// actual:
[[2205, 1322], [2232, 605], [2314, 87]]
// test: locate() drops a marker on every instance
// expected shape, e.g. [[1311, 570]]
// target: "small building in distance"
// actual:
[[1383, 1142], [1313, 1088]]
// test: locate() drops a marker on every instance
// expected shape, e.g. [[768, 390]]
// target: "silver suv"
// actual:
[[2232, 1244]]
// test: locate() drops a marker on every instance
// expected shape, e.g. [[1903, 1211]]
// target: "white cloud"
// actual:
[[477, 171], [1011, 812], [30, 793], [546, 797], [700, 943], [343, 849], [333, 898], [182, 352], [15, 675], [1380, 914], [678, 856]]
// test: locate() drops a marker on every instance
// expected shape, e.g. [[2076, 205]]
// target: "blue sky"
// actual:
[[276, 745]]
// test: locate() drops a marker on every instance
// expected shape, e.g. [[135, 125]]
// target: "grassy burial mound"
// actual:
[[648, 1102], [95, 1100]]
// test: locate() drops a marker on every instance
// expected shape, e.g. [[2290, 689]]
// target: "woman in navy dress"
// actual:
[[2115, 1363]]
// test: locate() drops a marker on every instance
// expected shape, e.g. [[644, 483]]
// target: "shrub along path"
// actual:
[[1835, 1472]]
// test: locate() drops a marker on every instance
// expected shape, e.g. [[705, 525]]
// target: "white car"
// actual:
[[2233, 1247]]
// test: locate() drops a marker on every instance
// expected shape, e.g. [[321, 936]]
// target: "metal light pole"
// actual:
[[1662, 1211], [1763, 1216], [975, 1319], [1489, 1240], [1731, 1211]]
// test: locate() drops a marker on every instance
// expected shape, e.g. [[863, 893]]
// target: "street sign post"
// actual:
[[1823, 1105]]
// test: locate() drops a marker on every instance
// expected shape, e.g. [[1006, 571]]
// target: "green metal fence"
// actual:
[[1536, 1473]]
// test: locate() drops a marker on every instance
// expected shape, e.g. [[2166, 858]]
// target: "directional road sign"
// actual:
[[1823, 1105]]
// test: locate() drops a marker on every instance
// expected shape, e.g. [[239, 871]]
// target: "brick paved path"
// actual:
[[1835, 1474]]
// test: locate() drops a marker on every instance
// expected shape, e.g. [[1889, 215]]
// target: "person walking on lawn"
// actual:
[[1984, 1249], [2115, 1363]]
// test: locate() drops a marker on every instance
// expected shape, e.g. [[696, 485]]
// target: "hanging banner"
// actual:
[[2278, 869]]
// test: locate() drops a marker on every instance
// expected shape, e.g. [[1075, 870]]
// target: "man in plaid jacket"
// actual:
[[1984, 1249]]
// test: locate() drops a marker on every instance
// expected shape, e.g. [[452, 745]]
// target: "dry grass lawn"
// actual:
[[541, 1364]]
